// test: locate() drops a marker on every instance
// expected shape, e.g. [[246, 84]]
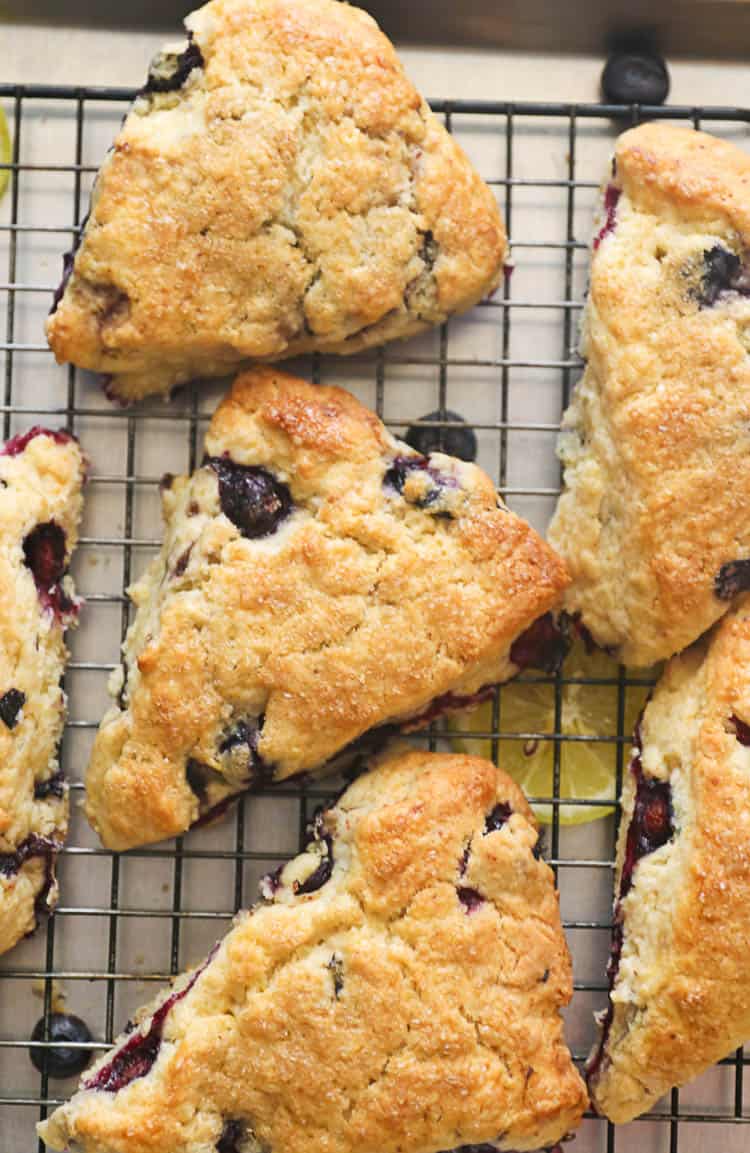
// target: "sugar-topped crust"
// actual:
[[294, 193], [40, 485], [681, 997], [369, 1005], [391, 581], [655, 443]]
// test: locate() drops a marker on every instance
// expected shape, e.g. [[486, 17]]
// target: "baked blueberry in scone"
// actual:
[[365, 1004], [279, 187], [680, 966], [319, 581], [41, 475], [654, 520]]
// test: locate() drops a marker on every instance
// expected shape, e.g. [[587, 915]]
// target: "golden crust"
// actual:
[[682, 995], [296, 194], [358, 611], [39, 483], [655, 443], [376, 1013]]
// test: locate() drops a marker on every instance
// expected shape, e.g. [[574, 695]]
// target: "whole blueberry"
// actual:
[[254, 500], [635, 78], [44, 554], [460, 442], [11, 704], [61, 1061]]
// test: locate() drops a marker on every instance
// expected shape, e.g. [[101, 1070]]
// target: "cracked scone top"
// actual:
[[41, 474], [399, 989], [279, 187], [654, 522], [680, 967], [318, 579]]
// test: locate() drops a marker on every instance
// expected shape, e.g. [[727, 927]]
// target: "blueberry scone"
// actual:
[[318, 580], [278, 187], [680, 967], [41, 475], [397, 990], [654, 520]]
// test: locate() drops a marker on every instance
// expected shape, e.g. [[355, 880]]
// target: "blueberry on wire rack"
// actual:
[[60, 1060]]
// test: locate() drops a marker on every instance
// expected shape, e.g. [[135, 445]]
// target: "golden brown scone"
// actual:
[[318, 579], [397, 991], [279, 187], [41, 474], [680, 972], [654, 522]]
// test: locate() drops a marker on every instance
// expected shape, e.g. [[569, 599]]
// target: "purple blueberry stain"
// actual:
[[68, 262], [11, 703], [450, 702], [543, 645], [732, 579], [137, 1055], [17, 444], [44, 552], [254, 500], [322, 873], [402, 467], [469, 898], [33, 846], [611, 198], [499, 816], [651, 826], [496, 1146], [182, 562], [53, 786], [652, 822], [723, 272], [741, 730], [270, 884], [170, 70], [198, 776], [335, 967], [244, 734], [232, 1134]]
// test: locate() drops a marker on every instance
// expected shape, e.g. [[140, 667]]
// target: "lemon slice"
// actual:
[[6, 152], [587, 767]]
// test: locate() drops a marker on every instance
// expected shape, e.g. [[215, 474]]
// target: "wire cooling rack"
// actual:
[[127, 922]]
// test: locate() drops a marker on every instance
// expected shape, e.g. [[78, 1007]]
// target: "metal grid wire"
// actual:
[[126, 921]]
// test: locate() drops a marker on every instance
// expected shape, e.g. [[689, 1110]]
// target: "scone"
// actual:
[[398, 990], [41, 475], [279, 187], [318, 580], [680, 967], [654, 521]]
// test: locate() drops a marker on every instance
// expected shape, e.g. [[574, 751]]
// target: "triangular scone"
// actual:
[[318, 579], [654, 522], [398, 991], [41, 474], [279, 187], [680, 968]]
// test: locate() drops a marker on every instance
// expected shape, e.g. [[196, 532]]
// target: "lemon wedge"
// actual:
[[587, 767], [6, 152]]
